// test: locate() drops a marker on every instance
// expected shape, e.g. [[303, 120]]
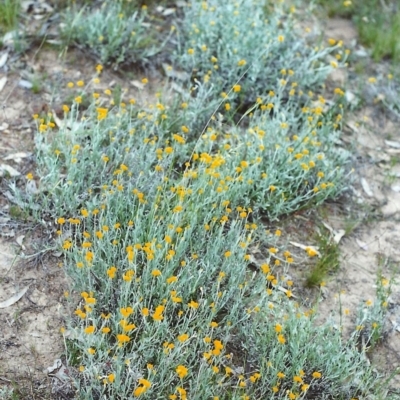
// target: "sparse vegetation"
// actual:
[[328, 262], [378, 24], [160, 207], [8, 14]]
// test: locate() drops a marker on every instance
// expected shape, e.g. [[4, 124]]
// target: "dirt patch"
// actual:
[[30, 338]]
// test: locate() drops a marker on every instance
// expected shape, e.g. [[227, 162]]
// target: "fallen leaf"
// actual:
[[25, 84], [351, 97], [330, 229], [395, 188], [393, 151], [17, 157], [4, 126], [392, 143], [9, 37], [13, 299], [168, 11], [172, 73], [31, 187], [354, 126], [9, 234], [366, 187], [178, 88], [305, 247], [282, 289], [7, 169], [3, 82], [57, 120], [137, 84], [362, 244], [3, 59], [338, 235], [57, 364], [20, 240]]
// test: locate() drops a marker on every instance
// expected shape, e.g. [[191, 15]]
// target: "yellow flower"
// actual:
[[128, 275], [316, 375], [106, 329], [182, 371], [177, 209], [157, 316], [311, 252], [237, 88], [123, 338], [145, 81], [193, 304], [297, 379], [156, 272], [145, 311], [111, 272], [90, 300], [139, 391], [172, 279], [42, 127], [67, 245], [91, 351], [78, 99], [90, 329], [241, 63], [178, 138], [89, 256], [218, 346], [101, 113], [29, 176], [126, 312], [191, 52], [182, 338]]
